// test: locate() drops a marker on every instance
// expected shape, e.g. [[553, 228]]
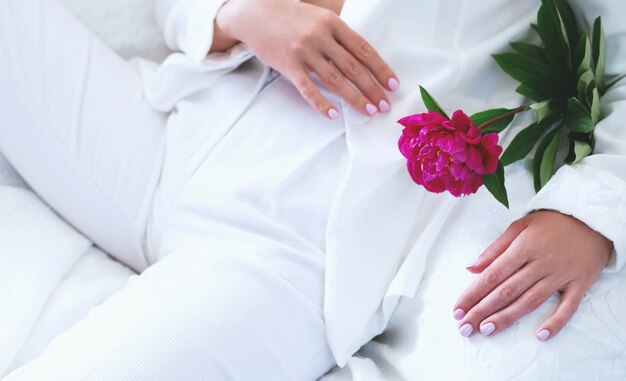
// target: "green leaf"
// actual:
[[589, 95], [557, 21], [568, 19], [575, 105], [542, 109], [596, 111], [495, 185], [522, 144], [585, 81], [582, 55], [579, 123], [536, 52], [430, 102], [530, 92], [550, 29], [538, 159], [549, 159], [532, 72], [599, 52], [578, 117], [488, 115], [578, 151]]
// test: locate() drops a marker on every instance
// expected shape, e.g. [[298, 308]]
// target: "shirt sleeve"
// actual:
[[594, 191], [188, 26], [188, 29]]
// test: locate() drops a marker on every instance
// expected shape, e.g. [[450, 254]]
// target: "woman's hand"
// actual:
[[298, 38], [538, 255]]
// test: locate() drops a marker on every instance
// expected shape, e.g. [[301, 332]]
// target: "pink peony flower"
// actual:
[[444, 154]]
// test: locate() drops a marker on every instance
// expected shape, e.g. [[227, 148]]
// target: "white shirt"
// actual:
[[377, 238]]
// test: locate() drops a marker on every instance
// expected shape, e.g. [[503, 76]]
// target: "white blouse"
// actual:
[[382, 224]]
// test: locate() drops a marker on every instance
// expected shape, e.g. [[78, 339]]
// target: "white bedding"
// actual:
[[424, 344], [52, 276]]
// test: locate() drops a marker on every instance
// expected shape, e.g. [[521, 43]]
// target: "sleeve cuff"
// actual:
[[179, 76], [592, 196], [189, 27]]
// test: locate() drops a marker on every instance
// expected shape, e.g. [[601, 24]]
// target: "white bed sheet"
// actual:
[[424, 344], [8, 175], [422, 341], [90, 281], [51, 275]]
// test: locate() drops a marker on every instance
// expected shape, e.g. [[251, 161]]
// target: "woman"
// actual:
[[277, 237]]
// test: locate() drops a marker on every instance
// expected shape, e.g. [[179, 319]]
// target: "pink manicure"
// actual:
[[466, 330], [333, 114], [383, 106], [487, 328], [458, 314], [393, 84], [371, 109], [474, 263], [543, 335]]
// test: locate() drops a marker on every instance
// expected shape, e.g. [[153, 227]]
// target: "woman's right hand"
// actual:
[[297, 39]]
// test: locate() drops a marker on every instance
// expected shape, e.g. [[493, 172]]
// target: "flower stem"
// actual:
[[503, 116]]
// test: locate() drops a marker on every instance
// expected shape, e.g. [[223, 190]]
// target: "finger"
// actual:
[[499, 246], [570, 300], [337, 83], [312, 95], [360, 76], [496, 274], [503, 296], [366, 53], [525, 304]]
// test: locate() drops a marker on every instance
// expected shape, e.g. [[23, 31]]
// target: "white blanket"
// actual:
[[51, 276], [424, 344], [37, 251]]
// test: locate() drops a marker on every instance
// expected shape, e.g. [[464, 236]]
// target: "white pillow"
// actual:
[[38, 248], [127, 26]]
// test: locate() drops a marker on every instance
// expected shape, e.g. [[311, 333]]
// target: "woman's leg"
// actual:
[[75, 124], [210, 314]]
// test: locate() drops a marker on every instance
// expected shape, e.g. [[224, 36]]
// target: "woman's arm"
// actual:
[[298, 39], [548, 252], [222, 41], [295, 38]]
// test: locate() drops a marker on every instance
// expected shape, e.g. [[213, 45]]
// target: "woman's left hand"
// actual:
[[541, 254]]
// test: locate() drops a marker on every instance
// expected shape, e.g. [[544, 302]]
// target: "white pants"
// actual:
[[74, 122]]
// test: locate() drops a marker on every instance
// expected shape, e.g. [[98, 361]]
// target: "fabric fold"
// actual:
[[38, 250]]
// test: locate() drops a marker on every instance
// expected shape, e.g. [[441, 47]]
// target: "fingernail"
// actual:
[[371, 109], [393, 84], [487, 328], [466, 330], [458, 314], [333, 114], [543, 335], [383, 106], [474, 263]]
